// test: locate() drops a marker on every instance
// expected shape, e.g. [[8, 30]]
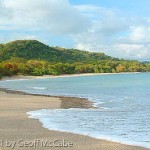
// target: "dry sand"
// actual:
[[15, 124]]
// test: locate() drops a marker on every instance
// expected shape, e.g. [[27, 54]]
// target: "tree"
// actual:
[[120, 68]]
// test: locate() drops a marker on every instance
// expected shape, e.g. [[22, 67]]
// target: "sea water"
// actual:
[[122, 101]]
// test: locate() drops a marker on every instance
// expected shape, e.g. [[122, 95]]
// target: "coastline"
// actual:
[[15, 123], [66, 102], [22, 77]]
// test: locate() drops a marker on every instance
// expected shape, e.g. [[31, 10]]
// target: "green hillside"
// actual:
[[31, 57], [32, 49]]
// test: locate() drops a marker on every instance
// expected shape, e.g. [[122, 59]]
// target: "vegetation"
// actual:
[[32, 49], [30, 57]]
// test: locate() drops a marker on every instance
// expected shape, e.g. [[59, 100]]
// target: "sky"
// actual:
[[119, 28]]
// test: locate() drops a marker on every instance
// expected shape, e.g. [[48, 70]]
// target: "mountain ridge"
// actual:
[[33, 49]]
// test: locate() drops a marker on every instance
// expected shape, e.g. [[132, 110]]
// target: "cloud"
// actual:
[[54, 16], [139, 34], [133, 51], [115, 33], [90, 27]]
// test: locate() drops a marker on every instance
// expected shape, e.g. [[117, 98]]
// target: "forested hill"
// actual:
[[32, 49], [31, 57]]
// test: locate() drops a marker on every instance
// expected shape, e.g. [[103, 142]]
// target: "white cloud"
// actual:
[[55, 16], [134, 51], [93, 28], [140, 34], [115, 34]]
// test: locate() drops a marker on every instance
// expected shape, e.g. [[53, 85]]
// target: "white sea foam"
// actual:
[[75, 121], [15, 80], [8, 80], [39, 88]]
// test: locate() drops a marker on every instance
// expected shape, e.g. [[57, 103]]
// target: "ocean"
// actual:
[[122, 101]]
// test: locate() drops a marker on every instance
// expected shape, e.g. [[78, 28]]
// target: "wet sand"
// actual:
[[15, 125]]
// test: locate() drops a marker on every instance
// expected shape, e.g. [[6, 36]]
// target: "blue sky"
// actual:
[[135, 7], [120, 28]]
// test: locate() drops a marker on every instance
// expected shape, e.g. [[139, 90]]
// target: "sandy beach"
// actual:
[[16, 127], [61, 76]]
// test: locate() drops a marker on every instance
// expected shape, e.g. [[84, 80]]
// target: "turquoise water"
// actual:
[[123, 112]]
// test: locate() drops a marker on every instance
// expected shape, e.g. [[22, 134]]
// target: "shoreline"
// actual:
[[19, 77], [64, 102], [67, 102]]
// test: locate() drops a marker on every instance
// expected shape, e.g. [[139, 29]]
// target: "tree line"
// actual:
[[31, 57], [20, 66]]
